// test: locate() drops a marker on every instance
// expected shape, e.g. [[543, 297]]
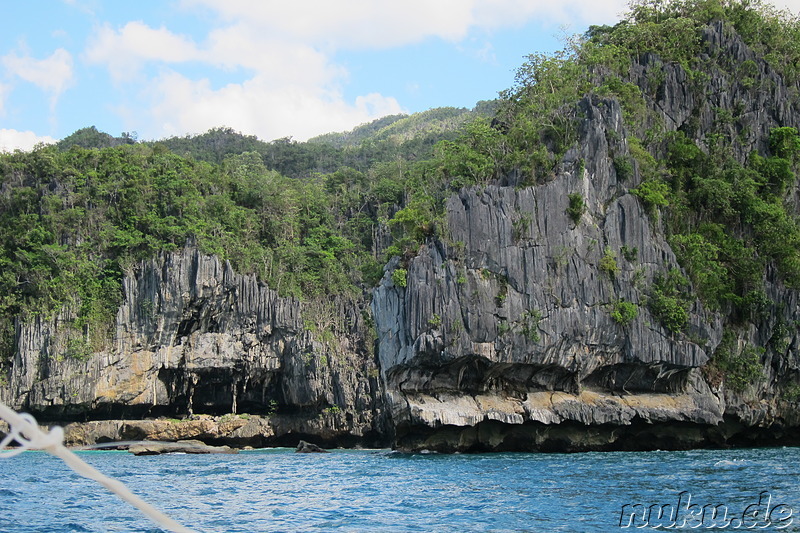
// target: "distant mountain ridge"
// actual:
[[401, 128]]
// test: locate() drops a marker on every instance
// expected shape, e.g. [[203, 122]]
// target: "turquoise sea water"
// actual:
[[374, 491]]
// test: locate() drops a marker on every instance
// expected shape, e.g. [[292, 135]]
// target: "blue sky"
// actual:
[[270, 68]]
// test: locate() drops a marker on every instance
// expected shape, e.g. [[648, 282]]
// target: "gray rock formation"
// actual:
[[741, 85], [236, 430], [511, 323], [502, 338], [194, 337], [183, 446], [307, 447]]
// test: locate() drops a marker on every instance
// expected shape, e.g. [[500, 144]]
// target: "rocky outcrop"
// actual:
[[503, 335], [183, 446], [511, 323], [735, 93], [235, 430], [193, 337], [503, 338], [307, 447]]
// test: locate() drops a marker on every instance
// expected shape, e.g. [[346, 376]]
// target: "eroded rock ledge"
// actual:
[[588, 421], [182, 446], [237, 431], [501, 337], [194, 338]]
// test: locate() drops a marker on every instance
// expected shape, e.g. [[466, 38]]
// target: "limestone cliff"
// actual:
[[501, 335], [507, 333], [193, 337], [503, 338]]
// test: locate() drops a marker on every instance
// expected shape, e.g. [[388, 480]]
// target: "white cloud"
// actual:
[[382, 23], [281, 54], [290, 88], [257, 106], [53, 74], [286, 61], [355, 23], [11, 140], [124, 51], [791, 5]]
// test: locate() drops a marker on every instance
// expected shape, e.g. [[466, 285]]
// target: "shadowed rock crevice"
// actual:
[[194, 338], [522, 351], [506, 334], [640, 435]]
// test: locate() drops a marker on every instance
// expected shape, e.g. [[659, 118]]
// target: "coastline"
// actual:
[[254, 432]]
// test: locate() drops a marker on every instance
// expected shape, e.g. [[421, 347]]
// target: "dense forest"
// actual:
[[322, 217], [303, 216]]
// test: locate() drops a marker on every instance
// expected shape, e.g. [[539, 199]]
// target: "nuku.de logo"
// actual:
[[686, 514]]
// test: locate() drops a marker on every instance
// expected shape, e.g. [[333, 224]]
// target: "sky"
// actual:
[[270, 68]]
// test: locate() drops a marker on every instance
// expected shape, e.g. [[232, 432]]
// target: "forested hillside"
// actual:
[[303, 216], [642, 180]]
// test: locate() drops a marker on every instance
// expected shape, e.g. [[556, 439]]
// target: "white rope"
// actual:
[[26, 432]]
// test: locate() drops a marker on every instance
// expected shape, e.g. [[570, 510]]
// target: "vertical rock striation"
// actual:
[[503, 338], [193, 337], [507, 330]]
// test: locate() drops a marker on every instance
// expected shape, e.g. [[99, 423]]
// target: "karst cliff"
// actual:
[[504, 331]]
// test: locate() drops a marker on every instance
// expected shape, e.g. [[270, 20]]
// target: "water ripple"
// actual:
[[366, 491]]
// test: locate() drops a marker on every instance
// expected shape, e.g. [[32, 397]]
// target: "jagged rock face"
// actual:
[[194, 337], [740, 84], [512, 323], [503, 338]]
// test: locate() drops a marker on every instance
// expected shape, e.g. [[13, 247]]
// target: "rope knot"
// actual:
[[29, 436]]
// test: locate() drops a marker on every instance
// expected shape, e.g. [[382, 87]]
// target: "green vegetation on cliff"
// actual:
[[322, 217], [405, 137], [76, 216]]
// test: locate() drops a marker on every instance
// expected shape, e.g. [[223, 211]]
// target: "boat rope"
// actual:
[[25, 431]]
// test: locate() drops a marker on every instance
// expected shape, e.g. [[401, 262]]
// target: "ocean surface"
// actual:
[[376, 491]]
